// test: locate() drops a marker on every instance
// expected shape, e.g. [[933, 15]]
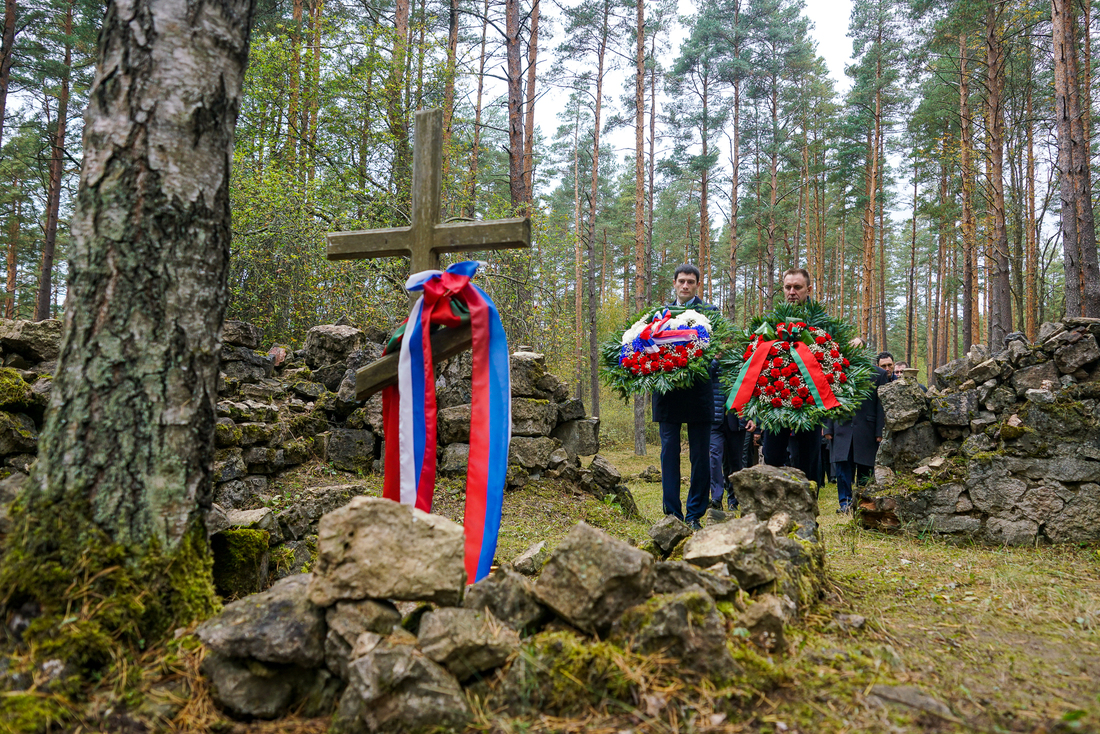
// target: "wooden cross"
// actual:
[[423, 241]]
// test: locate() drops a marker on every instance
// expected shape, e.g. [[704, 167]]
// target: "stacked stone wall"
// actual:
[[1003, 448]]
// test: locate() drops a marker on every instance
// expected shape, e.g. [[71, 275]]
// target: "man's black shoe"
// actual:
[[715, 504], [696, 526]]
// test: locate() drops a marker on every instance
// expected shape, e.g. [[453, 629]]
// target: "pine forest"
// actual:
[[944, 199]]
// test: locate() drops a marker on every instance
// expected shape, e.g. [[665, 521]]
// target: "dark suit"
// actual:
[[693, 406], [855, 441]]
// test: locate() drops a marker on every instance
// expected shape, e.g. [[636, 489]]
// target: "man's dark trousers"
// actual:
[[804, 448], [699, 454]]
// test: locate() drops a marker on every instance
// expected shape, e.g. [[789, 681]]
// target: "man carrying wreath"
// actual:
[[800, 449], [692, 406]]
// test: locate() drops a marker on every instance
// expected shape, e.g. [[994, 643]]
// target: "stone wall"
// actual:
[[1004, 448], [282, 408]]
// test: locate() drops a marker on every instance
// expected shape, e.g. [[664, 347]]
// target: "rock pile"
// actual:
[[1003, 448], [385, 631], [29, 351]]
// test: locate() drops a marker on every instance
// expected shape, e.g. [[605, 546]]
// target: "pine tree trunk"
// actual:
[[396, 109], [125, 458], [704, 215], [7, 47], [578, 259], [13, 247], [593, 306], [471, 206], [292, 131], [529, 126], [57, 170], [449, 92], [1031, 249], [1000, 288], [911, 285], [516, 188], [969, 225]]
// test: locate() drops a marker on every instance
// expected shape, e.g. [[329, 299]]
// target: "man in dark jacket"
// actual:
[[855, 441], [727, 445], [694, 407], [800, 449]]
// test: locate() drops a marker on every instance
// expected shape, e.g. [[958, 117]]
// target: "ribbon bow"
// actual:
[[808, 368], [409, 408]]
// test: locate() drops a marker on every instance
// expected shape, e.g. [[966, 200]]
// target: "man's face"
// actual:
[[899, 369], [886, 364], [796, 289], [686, 287]]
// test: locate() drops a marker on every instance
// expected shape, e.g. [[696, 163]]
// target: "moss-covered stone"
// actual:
[[298, 451], [560, 672], [14, 391], [240, 561], [227, 434]]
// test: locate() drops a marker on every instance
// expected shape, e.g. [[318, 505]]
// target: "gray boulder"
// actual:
[[684, 625], [531, 453], [745, 546], [328, 344], [764, 619], [903, 402], [250, 689], [765, 490], [952, 374], [1079, 519], [17, 434], [909, 448], [363, 552], [580, 437], [530, 561], [570, 410], [38, 341], [1076, 355], [954, 409], [467, 642], [986, 370], [527, 369], [591, 578], [350, 449], [240, 334], [347, 620], [604, 473], [668, 533], [509, 597], [261, 518], [1033, 378], [672, 577], [455, 460], [453, 424], [1000, 398], [279, 625], [394, 687], [533, 416]]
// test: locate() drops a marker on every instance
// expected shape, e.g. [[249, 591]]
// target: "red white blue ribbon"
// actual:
[[409, 409]]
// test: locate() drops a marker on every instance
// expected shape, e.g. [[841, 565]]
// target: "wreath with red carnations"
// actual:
[[795, 368]]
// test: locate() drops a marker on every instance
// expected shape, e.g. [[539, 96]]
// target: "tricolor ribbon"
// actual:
[[409, 409], [812, 375]]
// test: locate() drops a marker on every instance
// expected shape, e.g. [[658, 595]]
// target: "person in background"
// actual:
[[854, 442], [692, 406], [885, 362], [899, 372]]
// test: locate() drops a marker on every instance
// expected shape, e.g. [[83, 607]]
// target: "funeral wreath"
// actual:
[[664, 349], [795, 368]]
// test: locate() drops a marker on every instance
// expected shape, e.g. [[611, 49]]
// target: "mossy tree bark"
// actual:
[[124, 468]]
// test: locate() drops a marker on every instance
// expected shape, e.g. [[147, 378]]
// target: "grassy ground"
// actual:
[[1008, 638]]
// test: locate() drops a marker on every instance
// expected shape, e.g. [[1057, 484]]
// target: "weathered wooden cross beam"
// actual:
[[423, 241]]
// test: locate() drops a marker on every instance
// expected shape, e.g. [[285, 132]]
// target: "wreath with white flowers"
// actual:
[[664, 349]]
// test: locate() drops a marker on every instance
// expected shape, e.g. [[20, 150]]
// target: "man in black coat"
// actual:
[[855, 441], [694, 407]]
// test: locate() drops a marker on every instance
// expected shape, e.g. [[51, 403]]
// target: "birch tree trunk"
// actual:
[[123, 476]]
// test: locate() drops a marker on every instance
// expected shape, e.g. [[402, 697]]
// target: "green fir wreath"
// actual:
[[782, 395], [628, 371]]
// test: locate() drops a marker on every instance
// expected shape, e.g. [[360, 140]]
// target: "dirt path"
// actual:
[[1007, 638]]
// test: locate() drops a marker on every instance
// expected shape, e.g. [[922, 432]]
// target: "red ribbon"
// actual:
[[759, 360], [813, 367]]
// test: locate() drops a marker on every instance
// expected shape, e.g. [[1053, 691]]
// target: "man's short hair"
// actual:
[[902, 365], [690, 269], [883, 355], [798, 271]]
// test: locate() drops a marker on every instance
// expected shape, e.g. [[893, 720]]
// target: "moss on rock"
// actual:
[[14, 391], [240, 561], [31, 713]]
